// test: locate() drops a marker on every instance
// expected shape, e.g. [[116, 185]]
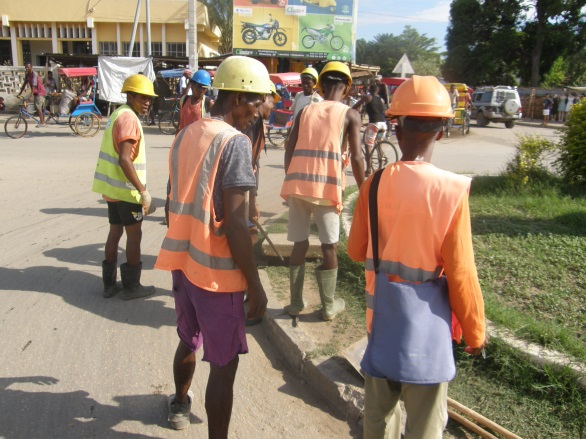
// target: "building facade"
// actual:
[[32, 29]]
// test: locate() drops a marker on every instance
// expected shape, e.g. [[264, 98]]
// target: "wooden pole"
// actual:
[[470, 425], [482, 420]]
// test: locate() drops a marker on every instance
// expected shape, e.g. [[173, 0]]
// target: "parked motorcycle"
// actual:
[[321, 36], [251, 32]]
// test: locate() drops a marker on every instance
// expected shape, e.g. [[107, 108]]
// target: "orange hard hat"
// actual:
[[422, 96]]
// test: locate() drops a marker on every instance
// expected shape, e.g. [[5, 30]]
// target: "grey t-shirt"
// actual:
[[234, 170]]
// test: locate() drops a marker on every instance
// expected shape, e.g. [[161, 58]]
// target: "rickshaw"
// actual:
[[168, 104], [85, 118], [461, 112]]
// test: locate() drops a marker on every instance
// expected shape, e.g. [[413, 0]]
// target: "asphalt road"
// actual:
[[73, 364]]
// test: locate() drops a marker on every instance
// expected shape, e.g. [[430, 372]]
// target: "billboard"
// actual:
[[316, 29]]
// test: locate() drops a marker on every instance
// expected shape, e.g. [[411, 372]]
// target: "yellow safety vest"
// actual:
[[109, 179]]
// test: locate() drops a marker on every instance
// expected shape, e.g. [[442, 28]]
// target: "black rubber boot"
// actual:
[[109, 277], [133, 289]]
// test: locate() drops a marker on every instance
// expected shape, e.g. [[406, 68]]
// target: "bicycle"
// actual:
[[169, 121], [376, 158], [16, 126]]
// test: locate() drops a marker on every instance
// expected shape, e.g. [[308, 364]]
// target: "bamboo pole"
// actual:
[[470, 425], [482, 420]]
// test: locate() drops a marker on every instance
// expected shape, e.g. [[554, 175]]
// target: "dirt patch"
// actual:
[[330, 337]]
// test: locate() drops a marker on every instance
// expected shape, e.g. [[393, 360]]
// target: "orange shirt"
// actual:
[[457, 257], [126, 129]]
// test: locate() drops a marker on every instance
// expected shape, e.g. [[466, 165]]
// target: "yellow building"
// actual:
[[30, 29]]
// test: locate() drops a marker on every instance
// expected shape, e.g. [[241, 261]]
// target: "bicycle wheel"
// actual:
[[87, 124], [390, 151], [15, 127], [277, 137], [167, 125], [378, 159]]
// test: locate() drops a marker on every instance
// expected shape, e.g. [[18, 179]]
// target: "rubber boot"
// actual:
[[296, 277], [109, 273], [326, 282], [133, 289]]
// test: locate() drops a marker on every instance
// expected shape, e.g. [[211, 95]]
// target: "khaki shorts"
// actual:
[[40, 102], [326, 218]]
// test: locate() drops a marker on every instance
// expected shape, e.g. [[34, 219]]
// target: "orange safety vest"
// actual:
[[316, 168], [195, 242], [416, 204]]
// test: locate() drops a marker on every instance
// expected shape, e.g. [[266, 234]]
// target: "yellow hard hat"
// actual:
[[138, 84], [276, 97], [311, 72], [335, 66], [241, 73], [422, 96]]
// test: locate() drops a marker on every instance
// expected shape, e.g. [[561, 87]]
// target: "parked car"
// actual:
[[496, 104]]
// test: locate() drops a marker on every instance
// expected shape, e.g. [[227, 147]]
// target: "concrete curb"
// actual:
[[331, 377]]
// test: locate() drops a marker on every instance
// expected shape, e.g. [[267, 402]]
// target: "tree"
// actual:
[[220, 13], [553, 17], [386, 50], [483, 42]]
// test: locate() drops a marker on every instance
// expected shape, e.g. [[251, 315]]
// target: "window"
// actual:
[[177, 49], [108, 48], [157, 49], [135, 49]]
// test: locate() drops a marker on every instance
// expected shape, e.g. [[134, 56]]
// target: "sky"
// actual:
[[429, 17]]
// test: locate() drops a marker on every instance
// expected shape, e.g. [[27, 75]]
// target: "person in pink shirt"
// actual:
[[33, 80]]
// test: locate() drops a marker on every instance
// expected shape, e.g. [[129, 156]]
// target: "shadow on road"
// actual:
[[84, 291], [37, 413], [295, 386], [92, 255]]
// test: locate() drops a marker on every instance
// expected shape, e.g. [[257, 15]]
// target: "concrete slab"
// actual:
[[284, 247]]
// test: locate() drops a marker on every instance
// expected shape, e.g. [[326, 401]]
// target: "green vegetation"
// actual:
[[572, 159]]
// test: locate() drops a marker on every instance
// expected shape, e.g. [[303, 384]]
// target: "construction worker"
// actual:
[[256, 133], [194, 106], [207, 246], [121, 179], [423, 229], [315, 161], [309, 95]]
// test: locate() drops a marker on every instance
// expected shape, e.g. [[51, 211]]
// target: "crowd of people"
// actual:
[[422, 235]]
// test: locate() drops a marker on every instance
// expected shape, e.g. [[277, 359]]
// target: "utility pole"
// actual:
[[136, 15], [192, 34], [148, 26]]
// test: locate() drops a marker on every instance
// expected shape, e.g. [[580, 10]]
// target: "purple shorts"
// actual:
[[216, 319]]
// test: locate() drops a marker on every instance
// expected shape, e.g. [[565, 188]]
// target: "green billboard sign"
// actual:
[[316, 29]]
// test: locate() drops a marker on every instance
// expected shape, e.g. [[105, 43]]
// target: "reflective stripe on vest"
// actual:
[[195, 242], [416, 204], [109, 178], [316, 168]]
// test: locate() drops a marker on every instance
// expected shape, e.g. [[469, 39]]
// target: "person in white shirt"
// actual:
[[309, 95], [184, 82]]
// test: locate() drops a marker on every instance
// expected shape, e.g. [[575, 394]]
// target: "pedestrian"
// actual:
[[184, 83], [308, 93], [50, 83], [257, 135], [121, 179], [377, 122], [207, 246], [383, 90], [316, 156], [423, 229], [555, 107], [195, 105], [570, 101], [2, 105], [562, 108], [33, 80], [547, 103]]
